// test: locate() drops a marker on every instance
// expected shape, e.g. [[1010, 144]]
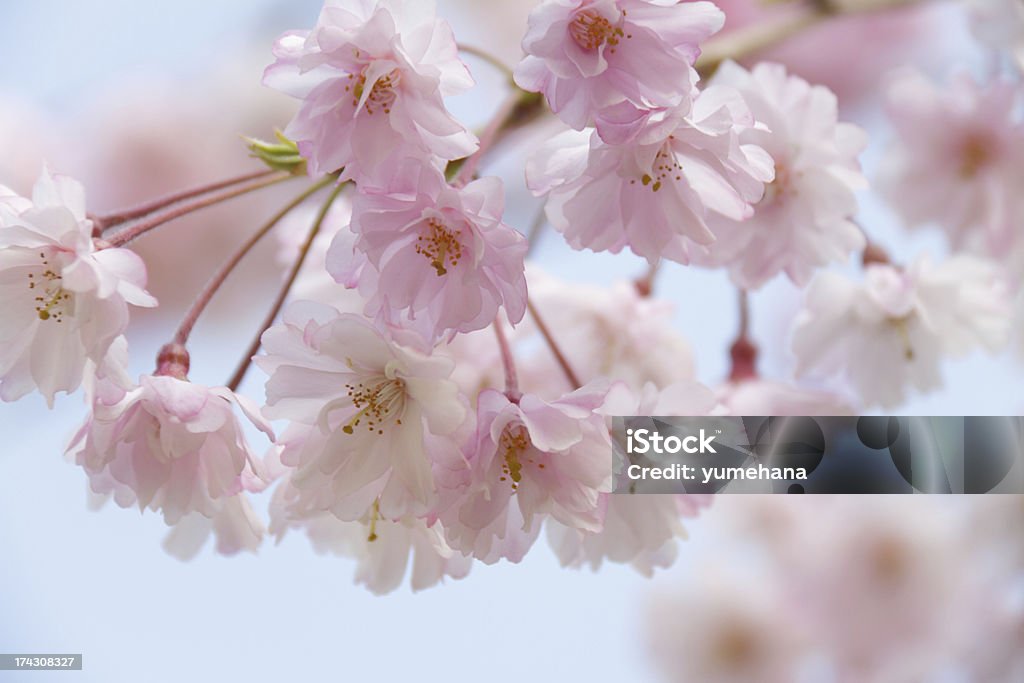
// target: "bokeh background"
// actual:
[[138, 99]]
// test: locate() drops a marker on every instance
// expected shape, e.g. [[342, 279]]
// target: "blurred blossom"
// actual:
[[999, 23], [833, 52], [611, 331], [28, 138], [852, 588], [151, 138], [725, 629], [958, 160], [892, 331]]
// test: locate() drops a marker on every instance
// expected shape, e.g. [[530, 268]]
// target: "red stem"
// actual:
[[218, 279], [743, 352], [123, 216], [508, 360], [282, 296], [553, 345], [142, 227]]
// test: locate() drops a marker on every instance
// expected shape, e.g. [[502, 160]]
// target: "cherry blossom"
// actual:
[[178, 448], [378, 414], [588, 56], [552, 458], [372, 77], [892, 330], [654, 196], [64, 299], [382, 548], [958, 158], [235, 527], [803, 220], [433, 258], [641, 530]]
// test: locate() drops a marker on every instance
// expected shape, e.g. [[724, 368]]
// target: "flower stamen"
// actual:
[[440, 245], [666, 168], [54, 301], [382, 95], [376, 403], [590, 30], [513, 443]]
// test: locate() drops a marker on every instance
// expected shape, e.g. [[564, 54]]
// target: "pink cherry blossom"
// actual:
[[654, 195], [587, 56], [433, 258], [64, 300], [552, 458], [177, 448], [235, 527], [803, 220], [382, 548], [372, 77], [641, 530], [958, 159], [893, 330], [377, 415]]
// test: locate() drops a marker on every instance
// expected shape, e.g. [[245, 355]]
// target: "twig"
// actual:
[[141, 228], [218, 279], [553, 345], [282, 295], [124, 215]]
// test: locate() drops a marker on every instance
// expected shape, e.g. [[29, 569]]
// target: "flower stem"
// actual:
[[487, 57], [144, 226], [645, 285], [218, 279], [743, 351], [282, 295], [509, 362], [553, 345], [123, 216]]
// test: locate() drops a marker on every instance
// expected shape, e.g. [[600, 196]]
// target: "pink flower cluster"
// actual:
[[753, 172], [422, 413]]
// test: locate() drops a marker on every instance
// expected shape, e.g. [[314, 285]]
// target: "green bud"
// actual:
[[282, 155]]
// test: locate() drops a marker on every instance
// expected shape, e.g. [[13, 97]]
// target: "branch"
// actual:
[[124, 215], [141, 228], [282, 296], [553, 345], [509, 363], [215, 283]]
